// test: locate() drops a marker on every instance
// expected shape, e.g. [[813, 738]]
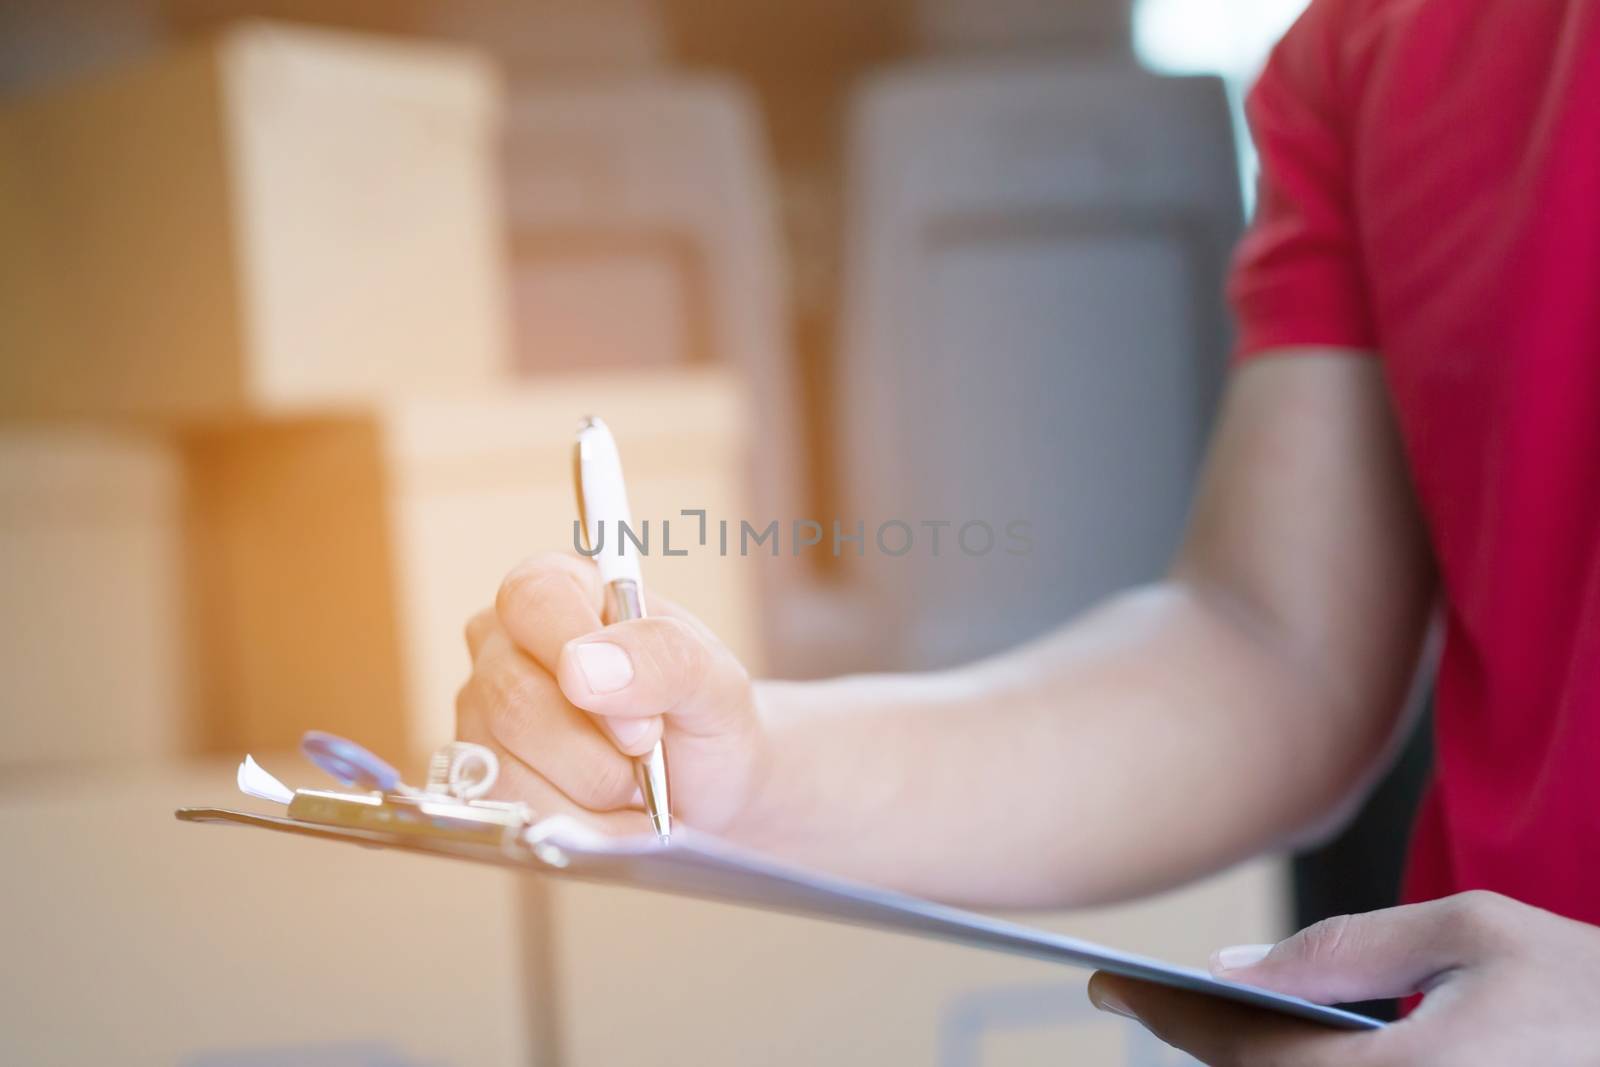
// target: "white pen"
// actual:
[[602, 507]]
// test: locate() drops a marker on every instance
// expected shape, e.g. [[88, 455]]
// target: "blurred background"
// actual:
[[300, 303]]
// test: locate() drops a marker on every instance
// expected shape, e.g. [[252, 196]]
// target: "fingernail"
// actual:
[[1236, 957], [628, 732], [606, 667], [1112, 1003]]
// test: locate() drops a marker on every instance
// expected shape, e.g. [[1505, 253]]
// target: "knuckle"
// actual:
[[678, 656], [1324, 941], [1482, 902], [605, 783], [531, 587], [509, 705], [1482, 915]]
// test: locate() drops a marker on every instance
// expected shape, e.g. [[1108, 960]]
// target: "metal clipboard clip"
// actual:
[[450, 807]]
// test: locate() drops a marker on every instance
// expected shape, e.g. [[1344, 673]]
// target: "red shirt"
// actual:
[[1431, 190]]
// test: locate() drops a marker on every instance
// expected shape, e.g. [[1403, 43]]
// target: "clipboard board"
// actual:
[[703, 867]]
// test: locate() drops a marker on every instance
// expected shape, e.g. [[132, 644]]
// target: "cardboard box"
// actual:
[[339, 560], [645, 226], [751, 987], [277, 220], [132, 938], [93, 663]]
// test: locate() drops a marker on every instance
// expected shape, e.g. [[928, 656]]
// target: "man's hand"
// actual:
[[1504, 982], [566, 702]]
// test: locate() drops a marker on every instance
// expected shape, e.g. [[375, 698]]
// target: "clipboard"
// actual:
[[700, 866]]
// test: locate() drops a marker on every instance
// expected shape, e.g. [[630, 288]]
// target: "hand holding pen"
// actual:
[[570, 704]]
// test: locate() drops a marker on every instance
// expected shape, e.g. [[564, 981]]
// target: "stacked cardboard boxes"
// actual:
[[339, 560], [275, 221], [274, 225], [262, 276], [261, 457], [282, 249]]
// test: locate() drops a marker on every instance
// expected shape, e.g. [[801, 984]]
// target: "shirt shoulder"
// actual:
[[1297, 277], [1325, 56]]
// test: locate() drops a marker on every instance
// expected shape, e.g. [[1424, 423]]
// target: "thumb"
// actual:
[[685, 688], [1379, 954], [656, 666]]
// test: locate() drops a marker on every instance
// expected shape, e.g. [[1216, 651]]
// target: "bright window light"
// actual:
[[1230, 38], [1227, 37]]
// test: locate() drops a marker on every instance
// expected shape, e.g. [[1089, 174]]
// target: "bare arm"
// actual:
[[1169, 731], [1172, 730]]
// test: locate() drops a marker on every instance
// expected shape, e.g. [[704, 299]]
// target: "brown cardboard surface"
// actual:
[[93, 656], [132, 938], [337, 561], [274, 220]]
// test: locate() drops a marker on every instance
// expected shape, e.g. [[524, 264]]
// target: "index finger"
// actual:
[[546, 602]]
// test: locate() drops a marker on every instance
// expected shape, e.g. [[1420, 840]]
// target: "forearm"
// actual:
[[1157, 738], [1169, 732]]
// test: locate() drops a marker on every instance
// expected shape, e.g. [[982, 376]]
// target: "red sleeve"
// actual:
[[1297, 277]]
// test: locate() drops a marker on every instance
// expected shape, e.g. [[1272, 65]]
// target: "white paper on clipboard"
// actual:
[[700, 866]]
